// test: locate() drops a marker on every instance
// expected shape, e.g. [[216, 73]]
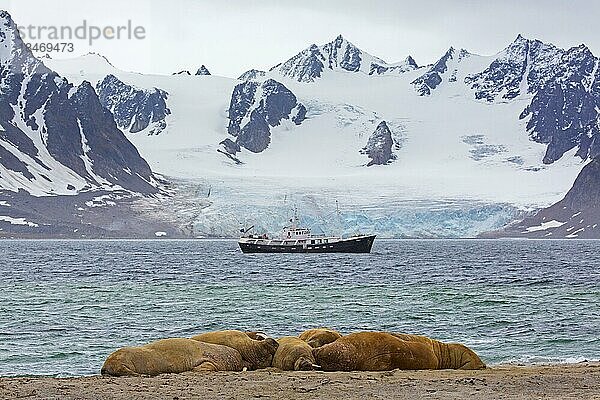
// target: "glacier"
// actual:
[[210, 208]]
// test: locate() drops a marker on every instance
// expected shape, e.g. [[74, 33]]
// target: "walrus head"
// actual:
[[334, 357], [305, 364], [120, 363], [269, 347], [466, 358]]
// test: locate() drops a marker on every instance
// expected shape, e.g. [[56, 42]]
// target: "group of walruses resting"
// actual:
[[315, 349]]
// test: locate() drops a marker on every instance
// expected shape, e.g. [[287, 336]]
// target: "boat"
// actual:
[[295, 239]]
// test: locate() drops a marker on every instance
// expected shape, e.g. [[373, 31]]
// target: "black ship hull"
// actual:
[[359, 244]]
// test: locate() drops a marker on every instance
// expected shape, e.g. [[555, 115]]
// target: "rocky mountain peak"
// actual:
[[8, 29], [520, 39], [339, 55], [433, 77], [252, 74], [524, 64], [441, 65], [380, 146], [518, 46], [134, 109], [255, 108], [306, 66], [411, 62], [202, 70], [564, 111], [14, 54], [85, 90]]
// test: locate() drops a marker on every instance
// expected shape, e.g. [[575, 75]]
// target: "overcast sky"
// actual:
[[231, 36]]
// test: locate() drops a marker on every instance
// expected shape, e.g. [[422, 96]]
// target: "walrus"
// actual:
[[294, 354], [172, 356], [257, 335], [449, 355], [374, 351], [256, 354], [319, 337]]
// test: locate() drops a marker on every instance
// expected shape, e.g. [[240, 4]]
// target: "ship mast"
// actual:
[[295, 219]]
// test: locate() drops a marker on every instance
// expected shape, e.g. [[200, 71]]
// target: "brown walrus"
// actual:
[[255, 353], [319, 337], [374, 351], [449, 355], [257, 335], [293, 354], [172, 356]]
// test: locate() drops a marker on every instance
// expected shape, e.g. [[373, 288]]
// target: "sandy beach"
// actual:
[[573, 381]]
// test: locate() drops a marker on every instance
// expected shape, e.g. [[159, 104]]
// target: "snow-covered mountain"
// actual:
[[56, 138], [523, 67], [252, 74], [134, 109], [576, 216], [564, 112], [445, 68], [340, 54], [66, 170], [452, 149], [254, 108], [565, 85], [200, 71]]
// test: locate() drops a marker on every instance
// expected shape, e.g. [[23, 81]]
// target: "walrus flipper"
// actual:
[[205, 366]]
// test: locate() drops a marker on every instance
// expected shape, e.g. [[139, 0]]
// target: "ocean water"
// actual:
[[66, 305]]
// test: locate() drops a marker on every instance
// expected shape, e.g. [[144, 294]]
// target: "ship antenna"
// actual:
[[339, 218]]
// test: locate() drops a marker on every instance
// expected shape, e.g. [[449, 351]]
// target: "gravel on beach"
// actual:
[[569, 381]]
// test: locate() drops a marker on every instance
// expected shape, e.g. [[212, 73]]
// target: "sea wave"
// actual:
[[547, 360]]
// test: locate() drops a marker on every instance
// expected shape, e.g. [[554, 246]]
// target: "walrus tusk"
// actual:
[[318, 367]]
